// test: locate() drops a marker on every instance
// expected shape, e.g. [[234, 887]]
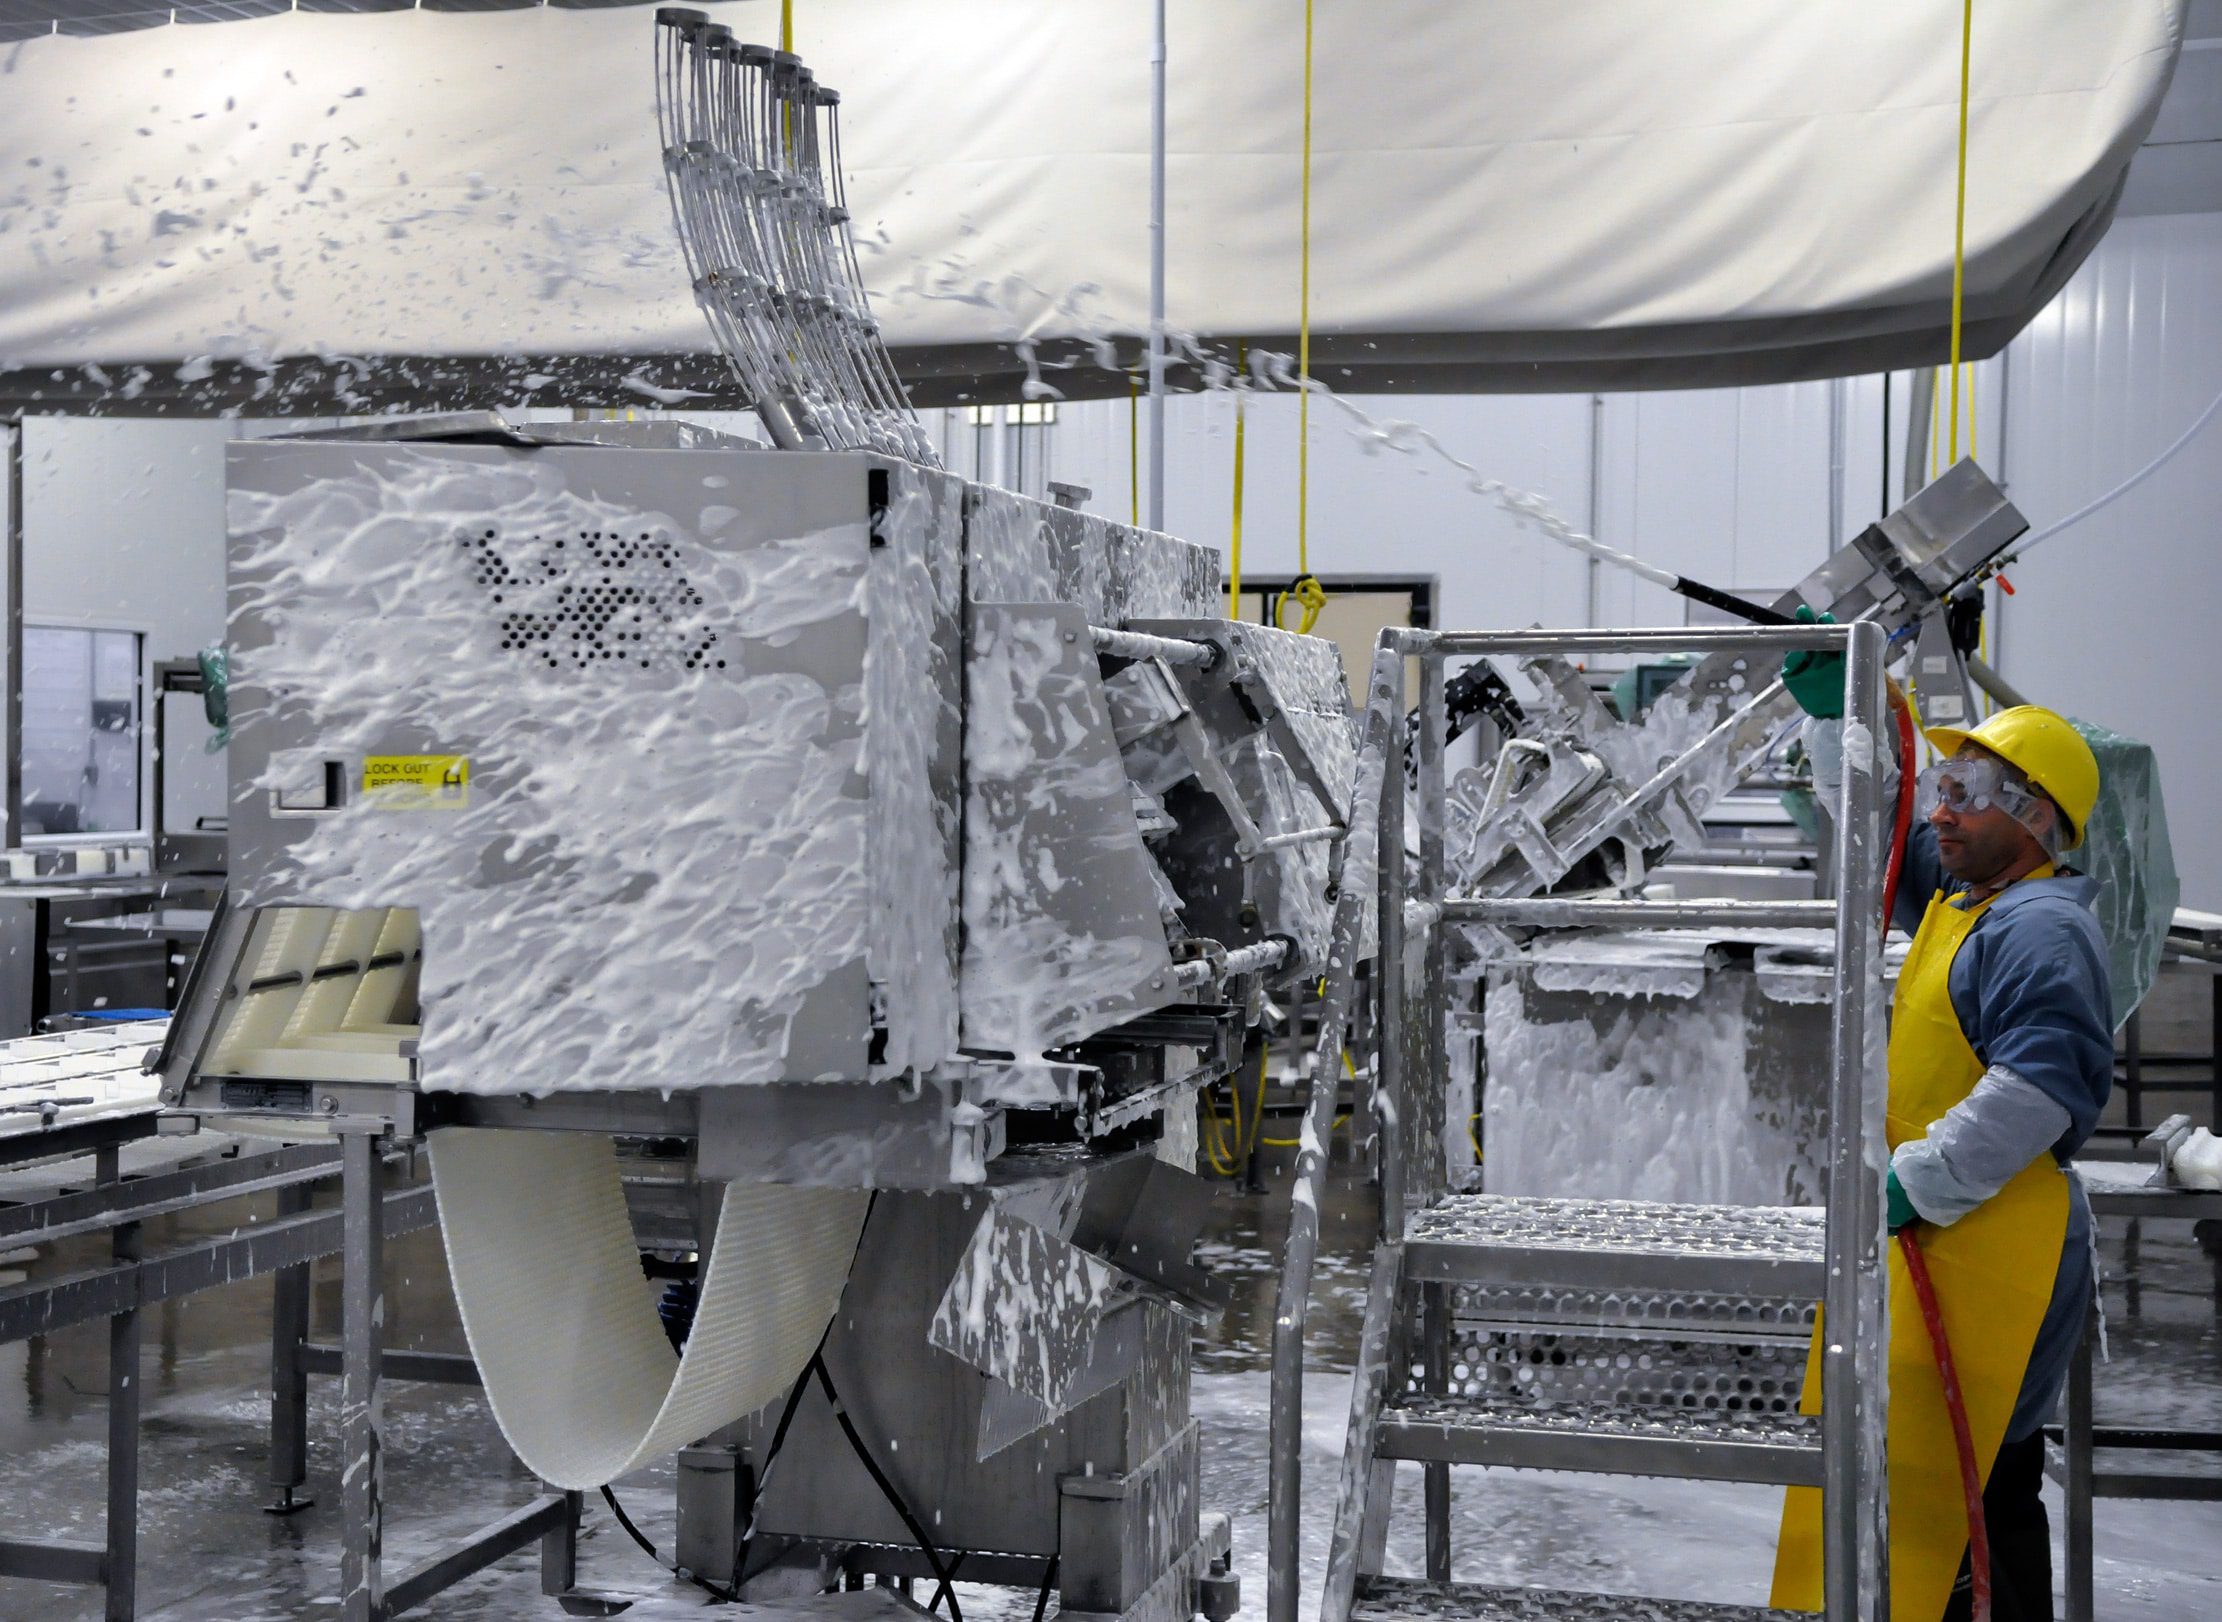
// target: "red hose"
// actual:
[[1917, 1267], [1902, 821], [1971, 1483]]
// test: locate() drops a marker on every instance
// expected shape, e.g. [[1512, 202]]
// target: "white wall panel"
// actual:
[[2115, 620]]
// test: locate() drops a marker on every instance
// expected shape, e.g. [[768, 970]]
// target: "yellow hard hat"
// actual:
[[2045, 749]]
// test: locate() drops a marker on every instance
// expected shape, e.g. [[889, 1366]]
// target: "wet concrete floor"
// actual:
[[209, 1552]]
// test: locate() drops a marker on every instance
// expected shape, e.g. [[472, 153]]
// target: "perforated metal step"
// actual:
[[1604, 1438], [1394, 1599], [1726, 1250], [1682, 1316]]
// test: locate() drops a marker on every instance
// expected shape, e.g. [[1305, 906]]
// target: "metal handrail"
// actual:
[[1853, 1368]]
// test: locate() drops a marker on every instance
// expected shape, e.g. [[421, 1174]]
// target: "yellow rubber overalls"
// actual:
[[1993, 1271]]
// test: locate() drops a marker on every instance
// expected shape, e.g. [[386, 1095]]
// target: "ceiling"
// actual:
[[27, 19]]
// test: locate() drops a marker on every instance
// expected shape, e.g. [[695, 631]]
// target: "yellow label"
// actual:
[[417, 782]]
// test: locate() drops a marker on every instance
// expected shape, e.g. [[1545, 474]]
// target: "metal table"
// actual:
[[2193, 937], [2118, 1188]]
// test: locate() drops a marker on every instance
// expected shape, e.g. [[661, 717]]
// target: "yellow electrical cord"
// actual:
[[1959, 223], [1234, 573]]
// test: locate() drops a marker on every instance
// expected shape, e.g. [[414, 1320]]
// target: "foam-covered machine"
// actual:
[[805, 819]]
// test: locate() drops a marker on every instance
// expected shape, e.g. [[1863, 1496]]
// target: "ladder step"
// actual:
[[1728, 1250], [1603, 1437], [1395, 1599]]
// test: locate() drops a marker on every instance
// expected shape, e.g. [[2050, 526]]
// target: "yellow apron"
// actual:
[[1993, 1271]]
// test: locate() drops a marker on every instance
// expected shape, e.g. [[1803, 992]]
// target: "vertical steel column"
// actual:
[[125, 1247], [362, 1290], [289, 1380], [1389, 1090], [2079, 1484], [1427, 1171], [559, 1550], [1157, 272], [1285, 1432], [1855, 1348], [12, 707]]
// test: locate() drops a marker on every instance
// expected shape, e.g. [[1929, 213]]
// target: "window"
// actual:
[[82, 714]]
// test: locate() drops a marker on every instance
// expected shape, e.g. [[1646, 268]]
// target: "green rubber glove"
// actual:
[[1815, 680], [1900, 1208]]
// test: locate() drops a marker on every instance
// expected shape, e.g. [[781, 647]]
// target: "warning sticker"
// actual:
[[417, 782]]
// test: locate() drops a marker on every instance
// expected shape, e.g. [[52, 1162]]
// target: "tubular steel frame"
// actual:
[[1853, 1367]]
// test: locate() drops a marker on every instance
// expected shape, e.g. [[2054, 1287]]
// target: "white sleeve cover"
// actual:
[[1978, 1146], [1824, 746]]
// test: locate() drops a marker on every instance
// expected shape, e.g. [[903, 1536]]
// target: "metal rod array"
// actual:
[[752, 158]]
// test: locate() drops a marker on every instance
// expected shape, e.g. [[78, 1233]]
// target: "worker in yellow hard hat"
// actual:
[[2001, 1058]]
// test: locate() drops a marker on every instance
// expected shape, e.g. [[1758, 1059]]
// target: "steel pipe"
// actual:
[[1242, 960], [1546, 912], [1300, 836], [1141, 645], [1761, 639]]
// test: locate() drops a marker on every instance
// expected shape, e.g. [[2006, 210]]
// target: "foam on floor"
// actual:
[[563, 1325]]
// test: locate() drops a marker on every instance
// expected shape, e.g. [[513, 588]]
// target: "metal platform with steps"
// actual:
[[1600, 1336]]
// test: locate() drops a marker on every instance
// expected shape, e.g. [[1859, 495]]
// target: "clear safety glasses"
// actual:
[[1974, 783]]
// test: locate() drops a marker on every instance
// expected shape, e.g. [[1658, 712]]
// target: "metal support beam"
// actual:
[[46, 1305], [289, 1380], [139, 1199], [362, 1286], [537, 1521], [1854, 1352], [11, 715], [2079, 1485], [123, 1442]]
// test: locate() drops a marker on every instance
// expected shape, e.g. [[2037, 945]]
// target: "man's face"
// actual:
[[1977, 847]]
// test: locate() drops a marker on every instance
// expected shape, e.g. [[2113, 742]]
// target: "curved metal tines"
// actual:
[[752, 162]]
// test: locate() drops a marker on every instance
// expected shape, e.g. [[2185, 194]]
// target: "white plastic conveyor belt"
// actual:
[[564, 1326]]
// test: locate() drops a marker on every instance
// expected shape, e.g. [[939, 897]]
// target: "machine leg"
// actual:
[[123, 1442], [2214, 1053], [559, 1550], [2077, 1436], [2133, 1072], [1436, 1371], [289, 1380], [363, 1201]]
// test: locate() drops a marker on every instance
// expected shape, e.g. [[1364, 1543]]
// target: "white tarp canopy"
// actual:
[[1520, 195]]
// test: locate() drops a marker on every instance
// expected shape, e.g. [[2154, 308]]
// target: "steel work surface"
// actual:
[[209, 1554]]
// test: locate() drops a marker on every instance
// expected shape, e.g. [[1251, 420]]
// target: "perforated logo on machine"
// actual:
[[593, 597]]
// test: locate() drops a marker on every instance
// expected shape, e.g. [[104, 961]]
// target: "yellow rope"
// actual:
[[1959, 221], [1304, 324], [1234, 572]]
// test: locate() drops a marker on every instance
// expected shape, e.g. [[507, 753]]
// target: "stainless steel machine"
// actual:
[[804, 817], [812, 818]]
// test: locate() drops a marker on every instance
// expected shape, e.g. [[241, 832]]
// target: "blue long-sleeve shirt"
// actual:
[[2029, 983], [2029, 986]]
